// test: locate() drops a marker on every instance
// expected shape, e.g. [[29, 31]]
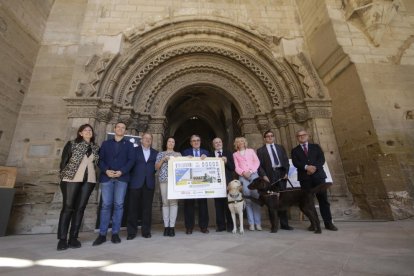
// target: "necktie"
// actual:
[[274, 155], [305, 149], [219, 154], [197, 153]]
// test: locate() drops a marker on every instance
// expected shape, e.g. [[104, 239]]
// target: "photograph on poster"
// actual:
[[196, 178]]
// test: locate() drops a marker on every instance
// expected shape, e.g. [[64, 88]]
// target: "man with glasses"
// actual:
[[189, 204], [274, 165], [309, 160]]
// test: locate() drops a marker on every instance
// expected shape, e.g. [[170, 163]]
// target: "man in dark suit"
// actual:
[[274, 165], [189, 204], [223, 215], [309, 160], [141, 188]]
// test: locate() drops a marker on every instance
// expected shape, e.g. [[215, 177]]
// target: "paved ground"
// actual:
[[358, 248]]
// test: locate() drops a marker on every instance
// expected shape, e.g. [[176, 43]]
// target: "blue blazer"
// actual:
[[189, 151], [143, 171], [118, 160]]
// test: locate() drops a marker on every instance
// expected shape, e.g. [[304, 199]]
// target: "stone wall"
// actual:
[[21, 30], [372, 120], [365, 56], [41, 129]]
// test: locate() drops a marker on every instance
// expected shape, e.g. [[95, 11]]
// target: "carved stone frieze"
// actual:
[[281, 121], [263, 123], [320, 113], [309, 80], [157, 96], [104, 115], [271, 87], [96, 67], [301, 116], [372, 16]]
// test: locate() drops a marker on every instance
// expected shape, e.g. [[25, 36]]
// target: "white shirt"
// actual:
[[217, 154], [147, 153], [269, 150]]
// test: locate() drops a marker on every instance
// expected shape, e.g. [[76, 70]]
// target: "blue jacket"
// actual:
[[117, 160], [143, 171], [189, 151]]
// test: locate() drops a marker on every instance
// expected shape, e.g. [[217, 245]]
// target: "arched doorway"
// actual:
[[210, 76], [205, 110]]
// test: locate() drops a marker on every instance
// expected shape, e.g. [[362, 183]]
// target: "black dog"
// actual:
[[280, 200]]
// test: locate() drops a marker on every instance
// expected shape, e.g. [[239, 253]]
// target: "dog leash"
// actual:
[[279, 180]]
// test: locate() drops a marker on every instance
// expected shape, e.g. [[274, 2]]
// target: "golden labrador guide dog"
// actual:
[[236, 204]]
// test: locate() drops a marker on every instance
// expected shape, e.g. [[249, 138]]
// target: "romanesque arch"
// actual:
[[163, 64], [269, 91]]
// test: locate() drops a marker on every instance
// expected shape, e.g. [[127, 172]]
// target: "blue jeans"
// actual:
[[253, 209], [113, 194]]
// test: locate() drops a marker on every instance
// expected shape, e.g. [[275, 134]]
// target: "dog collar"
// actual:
[[235, 201]]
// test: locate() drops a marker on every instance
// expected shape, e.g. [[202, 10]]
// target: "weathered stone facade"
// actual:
[[341, 69]]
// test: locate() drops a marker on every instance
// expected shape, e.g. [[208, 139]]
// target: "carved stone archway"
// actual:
[[280, 93], [135, 86]]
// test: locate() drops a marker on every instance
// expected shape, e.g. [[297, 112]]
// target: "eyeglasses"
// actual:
[[198, 140], [269, 135], [302, 135]]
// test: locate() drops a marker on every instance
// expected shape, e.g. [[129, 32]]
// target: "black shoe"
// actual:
[[331, 226], [204, 230], [166, 231], [115, 238], [286, 227], [147, 235], [131, 237], [172, 232], [62, 245], [221, 229], [74, 243], [311, 228], [99, 240], [189, 231]]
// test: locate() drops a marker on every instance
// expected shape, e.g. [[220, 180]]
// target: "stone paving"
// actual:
[[358, 248]]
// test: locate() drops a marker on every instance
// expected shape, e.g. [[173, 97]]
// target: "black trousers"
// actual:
[[324, 205], [189, 212], [140, 199], [75, 198], [283, 216], [223, 215]]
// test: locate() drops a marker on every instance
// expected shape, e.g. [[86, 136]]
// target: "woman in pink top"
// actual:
[[247, 164]]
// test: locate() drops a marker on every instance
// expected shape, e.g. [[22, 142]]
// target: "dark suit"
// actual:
[[266, 169], [189, 204], [316, 158], [222, 209], [141, 191]]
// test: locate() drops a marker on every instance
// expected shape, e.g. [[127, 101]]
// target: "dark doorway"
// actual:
[[204, 110]]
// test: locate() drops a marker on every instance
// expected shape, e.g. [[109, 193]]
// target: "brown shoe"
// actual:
[[189, 231]]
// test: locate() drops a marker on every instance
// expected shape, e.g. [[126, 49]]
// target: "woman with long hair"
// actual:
[[78, 178], [169, 207], [247, 164]]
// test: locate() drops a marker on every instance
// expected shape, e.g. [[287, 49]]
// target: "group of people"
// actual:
[[125, 168]]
